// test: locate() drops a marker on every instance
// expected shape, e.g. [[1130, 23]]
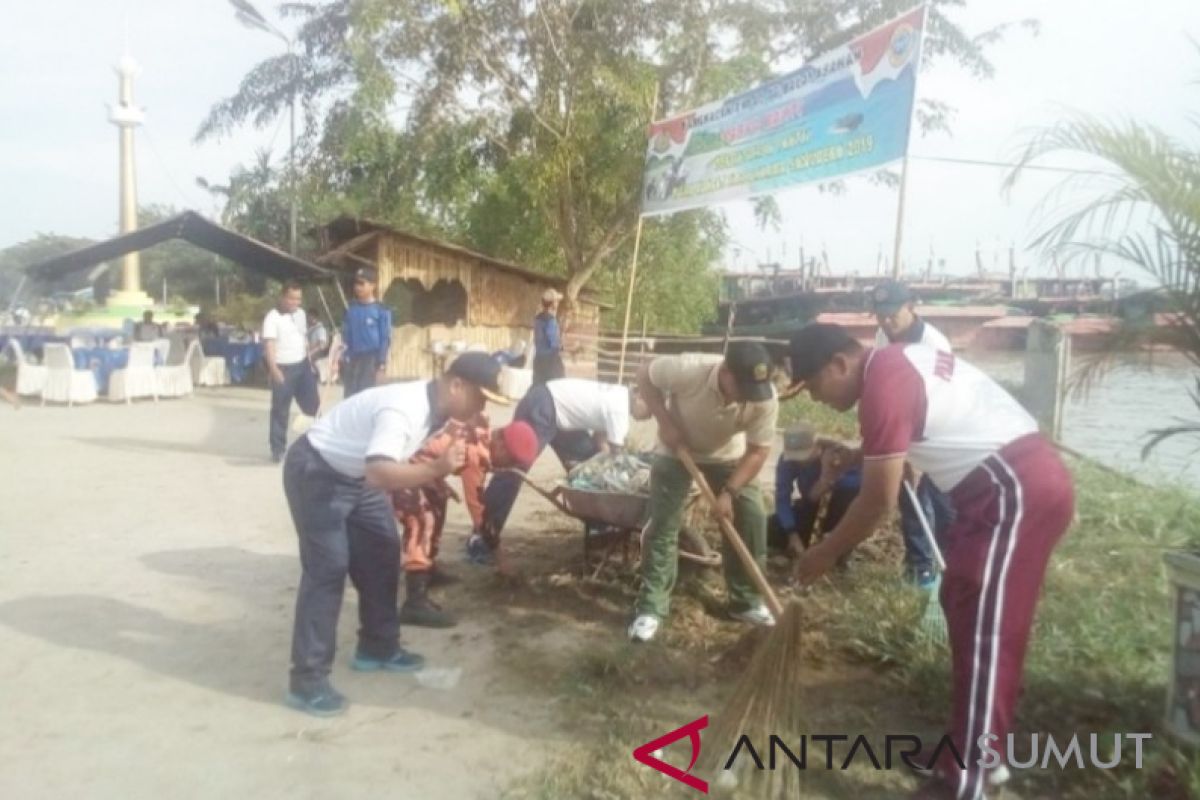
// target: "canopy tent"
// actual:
[[191, 227]]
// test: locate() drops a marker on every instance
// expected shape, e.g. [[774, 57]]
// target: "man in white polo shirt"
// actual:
[[577, 419], [285, 350], [338, 479], [1013, 500]]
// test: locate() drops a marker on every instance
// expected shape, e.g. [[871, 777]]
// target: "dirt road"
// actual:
[[147, 574]]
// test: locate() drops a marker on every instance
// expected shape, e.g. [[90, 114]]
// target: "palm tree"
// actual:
[[1142, 207]]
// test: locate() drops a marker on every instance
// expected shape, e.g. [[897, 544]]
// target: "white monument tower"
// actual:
[[126, 116]]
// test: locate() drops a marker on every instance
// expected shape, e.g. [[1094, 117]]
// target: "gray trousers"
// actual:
[[345, 528], [359, 374]]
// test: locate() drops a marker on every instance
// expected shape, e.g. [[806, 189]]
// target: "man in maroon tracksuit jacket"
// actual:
[[1012, 496]]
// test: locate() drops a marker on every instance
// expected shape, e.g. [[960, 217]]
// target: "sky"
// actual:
[[58, 152]]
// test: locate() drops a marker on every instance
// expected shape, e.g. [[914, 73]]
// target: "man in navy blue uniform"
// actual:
[[807, 468], [547, 341], [366, 335]]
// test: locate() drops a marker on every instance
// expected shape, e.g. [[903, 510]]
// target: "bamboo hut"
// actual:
[[446, 296]]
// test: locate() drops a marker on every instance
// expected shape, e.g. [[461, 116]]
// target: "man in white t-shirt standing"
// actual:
[[285, 350], [895, 310], [574, 417], [1013, 500], [339, 478]]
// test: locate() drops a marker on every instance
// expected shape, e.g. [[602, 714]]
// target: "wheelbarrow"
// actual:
[[614, 519]]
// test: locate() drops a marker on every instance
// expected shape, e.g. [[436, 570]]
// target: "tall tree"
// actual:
[[525, 119]]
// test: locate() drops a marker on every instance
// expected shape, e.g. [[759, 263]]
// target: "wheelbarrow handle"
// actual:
[[731, 535], [554, 496]]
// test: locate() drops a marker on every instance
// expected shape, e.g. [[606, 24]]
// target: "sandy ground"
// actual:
[[147, 575]]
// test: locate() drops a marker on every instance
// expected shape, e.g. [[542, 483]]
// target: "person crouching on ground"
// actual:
[[812, 491], [421, 511], [723, 411], [338, 479]]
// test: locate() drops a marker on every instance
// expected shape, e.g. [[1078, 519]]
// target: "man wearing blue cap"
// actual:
[[895, 311], [366, 335]]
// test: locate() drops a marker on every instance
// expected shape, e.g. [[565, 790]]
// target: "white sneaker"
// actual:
[[643, 628], [755, 615]]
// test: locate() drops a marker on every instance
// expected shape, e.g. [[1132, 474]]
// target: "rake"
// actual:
[[933, 622]]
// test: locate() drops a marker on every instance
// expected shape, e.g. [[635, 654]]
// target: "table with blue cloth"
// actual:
[[31, 338], [240, 357], [101, 361]]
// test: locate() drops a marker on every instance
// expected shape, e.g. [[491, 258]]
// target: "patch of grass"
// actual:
[[1097, 660], [1101, 642], [826, 421]]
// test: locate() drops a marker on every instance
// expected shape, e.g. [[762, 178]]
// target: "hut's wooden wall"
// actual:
[[501, 306]]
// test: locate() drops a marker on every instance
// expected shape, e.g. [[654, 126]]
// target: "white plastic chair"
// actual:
[[206, 370], [138, 378], [175, 380], [64, 383], [163, 346], [30, 377]]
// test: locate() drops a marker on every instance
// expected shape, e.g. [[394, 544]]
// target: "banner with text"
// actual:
[[846, 111]]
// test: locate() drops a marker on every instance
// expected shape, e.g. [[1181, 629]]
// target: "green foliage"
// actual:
[[14, 259], [1143, 209], [244, 310], [525, 122], [823, 419]]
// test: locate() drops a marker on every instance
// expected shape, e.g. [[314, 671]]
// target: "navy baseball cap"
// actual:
[[366, 274], [750, 364], [481, 370], [889, 296], [815, 345]]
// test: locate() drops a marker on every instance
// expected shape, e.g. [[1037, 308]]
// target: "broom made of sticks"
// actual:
[[767, 700]]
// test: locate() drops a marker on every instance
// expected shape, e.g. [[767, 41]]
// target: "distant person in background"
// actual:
[[366, 335], [146, 330], [318, 336], [207, 327], [285, 350], [547, 341], [512, 357], [895, 310]]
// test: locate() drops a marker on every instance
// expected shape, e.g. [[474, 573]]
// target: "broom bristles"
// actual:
[[766, 701]]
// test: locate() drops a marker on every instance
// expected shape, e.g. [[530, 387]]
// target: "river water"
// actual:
[[1112, 421]]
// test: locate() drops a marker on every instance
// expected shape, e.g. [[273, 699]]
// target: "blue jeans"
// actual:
[[299, 382], [537, 409], [918, 553]]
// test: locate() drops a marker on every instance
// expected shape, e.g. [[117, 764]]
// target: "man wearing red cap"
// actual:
[[421, 511]]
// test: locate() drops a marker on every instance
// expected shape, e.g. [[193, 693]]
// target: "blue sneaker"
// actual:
[[400, 661], [320, 701], [929, 582], [479, 553]]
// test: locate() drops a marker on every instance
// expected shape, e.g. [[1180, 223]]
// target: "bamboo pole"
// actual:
[[637, 242], [907, 141]]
